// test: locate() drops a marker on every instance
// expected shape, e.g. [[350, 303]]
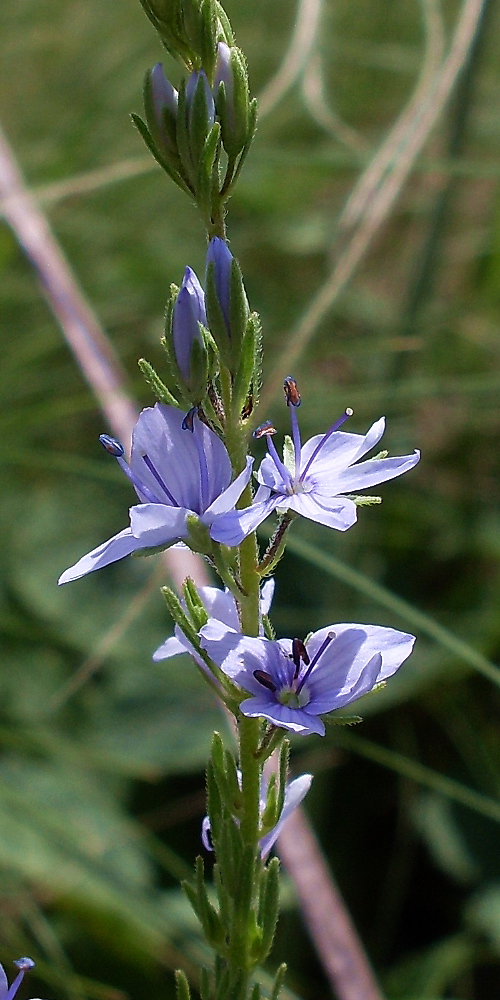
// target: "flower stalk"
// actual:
[[191, 472]]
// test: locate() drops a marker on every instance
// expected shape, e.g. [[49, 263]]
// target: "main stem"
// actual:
[[249, 733]]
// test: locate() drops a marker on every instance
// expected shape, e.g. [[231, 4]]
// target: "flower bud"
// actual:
[[232, 98], [226, 301], [188, 313], [161, 101]]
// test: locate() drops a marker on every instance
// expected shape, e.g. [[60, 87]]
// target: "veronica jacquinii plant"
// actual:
[[191, 473]]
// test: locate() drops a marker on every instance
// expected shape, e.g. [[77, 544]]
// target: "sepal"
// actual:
[[268, 907], [182, 990]]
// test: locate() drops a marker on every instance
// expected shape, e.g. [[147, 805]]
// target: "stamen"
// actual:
[[297, 446], [335, 427], [188, 422], [299, 652], [263, 678], [324, 645], [154, 472], [292, 394], [113, 447], [23, 964], [264, 429]]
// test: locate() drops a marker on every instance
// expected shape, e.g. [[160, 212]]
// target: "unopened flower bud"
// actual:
[[232, 98], [226, 302], [188, 313], [161, 100]]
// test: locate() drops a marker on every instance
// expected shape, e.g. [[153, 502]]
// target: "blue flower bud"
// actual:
[[164, 98], [234, 108], [221, 259], [188, 312]]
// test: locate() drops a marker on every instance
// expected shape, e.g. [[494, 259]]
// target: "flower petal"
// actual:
[[372, 472], [115, 548], [233, 527], [336, 512], [295, 791], [295, 719], [228, 498], [340, 450], [173, 646], [155, 524], [174, 453]]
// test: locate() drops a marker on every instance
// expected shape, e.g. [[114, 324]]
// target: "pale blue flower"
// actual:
[[295, 791], [179, 467], [293, 683], [6, 992], [312, 479], [219, 604]]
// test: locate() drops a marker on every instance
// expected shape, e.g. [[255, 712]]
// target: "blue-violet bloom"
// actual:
[[6, 992], [293, 683], [188, 312], [311, 480], [178, 467], [219, 604], [295, 791]]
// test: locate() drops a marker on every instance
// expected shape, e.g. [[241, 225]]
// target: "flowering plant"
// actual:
[[190, 468]]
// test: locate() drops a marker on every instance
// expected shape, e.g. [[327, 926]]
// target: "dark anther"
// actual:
[[264, 679], [264, 430], [111, 445], [188, 422], [299, 652], [292, 394]]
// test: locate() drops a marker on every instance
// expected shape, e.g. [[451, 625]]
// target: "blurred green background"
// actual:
[[101, 780]]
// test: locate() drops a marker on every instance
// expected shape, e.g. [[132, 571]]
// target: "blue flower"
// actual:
[[293, 683], [295, 791], [312, 480], [179, 467], [188, 312], [24, 965], [219, 604]]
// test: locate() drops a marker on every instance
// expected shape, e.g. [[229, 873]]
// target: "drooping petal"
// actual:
[[233, 527], [266, 596], [370, 473], [155, 524], [228, 498], [336, 512], [115, 548]]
